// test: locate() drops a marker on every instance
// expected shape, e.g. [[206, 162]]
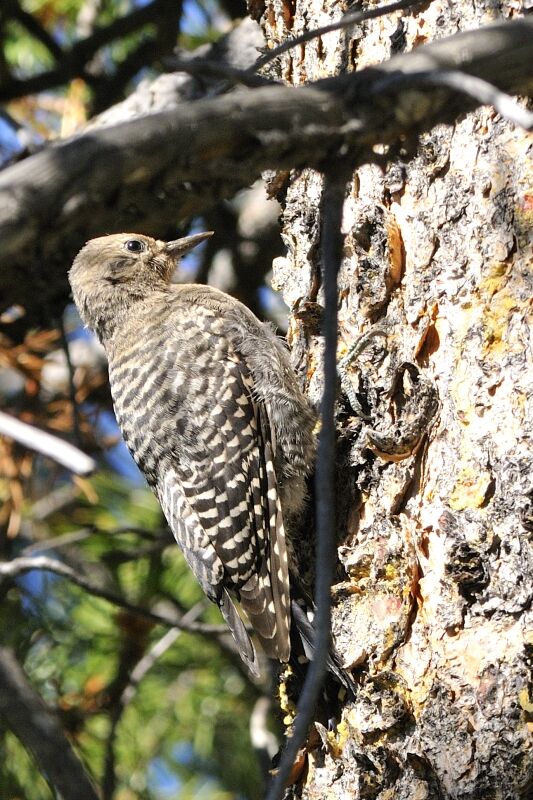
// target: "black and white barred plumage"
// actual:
[[212, 413]]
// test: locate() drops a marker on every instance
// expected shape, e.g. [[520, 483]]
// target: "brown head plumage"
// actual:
[[111, 271]]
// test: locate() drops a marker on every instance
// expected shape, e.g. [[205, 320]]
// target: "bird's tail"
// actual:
[[302, 643], [239, 633]]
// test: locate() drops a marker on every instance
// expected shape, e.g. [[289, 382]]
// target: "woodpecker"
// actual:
[[212, 413]]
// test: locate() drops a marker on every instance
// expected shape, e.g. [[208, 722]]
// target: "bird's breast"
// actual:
[[165, 375]]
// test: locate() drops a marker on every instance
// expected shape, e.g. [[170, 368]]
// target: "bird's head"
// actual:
[[112, 271]]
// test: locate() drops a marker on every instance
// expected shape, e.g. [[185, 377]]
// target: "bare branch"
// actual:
[[332, 244], [18, 566], [73, 62], [39, 730], [352, 18], [147, 51], [481, 91], [76, 421], [54, 501], [36, 30], [79, 535], [157, 650], [63, 540], [143, 665], [46, 443]]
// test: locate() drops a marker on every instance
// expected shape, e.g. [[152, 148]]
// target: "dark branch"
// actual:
[[112, 88], [353, 18], [332, 245], [234, 8], [36, 30], [73, 62], [40, 731]]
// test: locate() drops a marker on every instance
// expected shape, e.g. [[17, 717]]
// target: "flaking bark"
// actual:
[[432, 608]]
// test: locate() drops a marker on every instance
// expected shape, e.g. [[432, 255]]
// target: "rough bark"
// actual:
[[432, 609]]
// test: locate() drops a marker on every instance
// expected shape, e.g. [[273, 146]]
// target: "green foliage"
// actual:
[[25, 53], [79, 651], [183, 729], [19, 779]]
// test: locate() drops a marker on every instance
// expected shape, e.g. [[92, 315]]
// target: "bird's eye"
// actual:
[[135, 246]]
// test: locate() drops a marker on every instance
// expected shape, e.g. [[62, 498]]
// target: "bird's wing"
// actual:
[[203, 559], [266, 595], [221, 501]]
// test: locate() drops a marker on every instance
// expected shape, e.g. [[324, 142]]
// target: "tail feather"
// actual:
[[262, 616], [304, 631], [239, 633], [259, 604], [265, 597]]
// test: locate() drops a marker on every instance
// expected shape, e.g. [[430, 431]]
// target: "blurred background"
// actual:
[[152, 712]]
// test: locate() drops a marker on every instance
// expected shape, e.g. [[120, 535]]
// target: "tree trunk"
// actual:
[[432, 609]]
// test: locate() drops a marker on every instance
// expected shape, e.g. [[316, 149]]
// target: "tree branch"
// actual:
[[483, 92], [72, 62], [36, 30], [332, 244], [135, 676], [18, 566], [186, 158], [148, 51], [161, 539], [347, 21], [46, 443], [40, 731]]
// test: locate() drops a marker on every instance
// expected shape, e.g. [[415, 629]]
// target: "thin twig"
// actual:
[[71, 537], [217, 69], [332, 243], [56, 542], [156, 651], [46, 443], [54, 501], [18, 566], [141, 532], [478, 89], [353, 18]]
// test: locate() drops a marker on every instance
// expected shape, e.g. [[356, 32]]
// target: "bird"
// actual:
[[213, 414]]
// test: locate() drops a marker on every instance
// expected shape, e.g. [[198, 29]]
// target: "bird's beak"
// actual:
[[180, 246]]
